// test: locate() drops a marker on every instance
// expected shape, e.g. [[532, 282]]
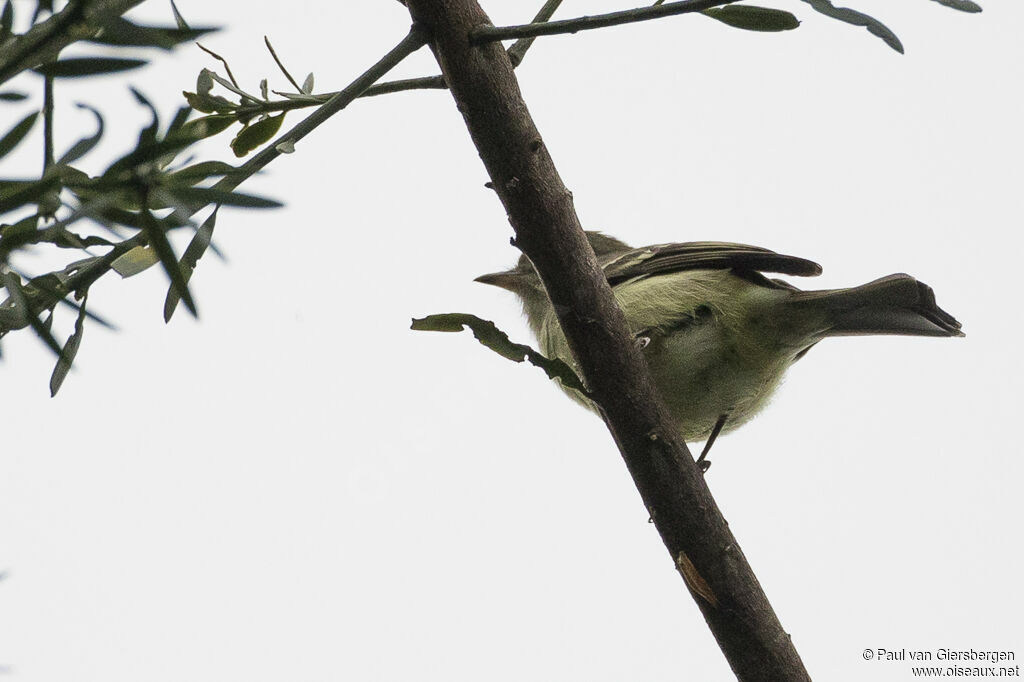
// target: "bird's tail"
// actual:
[[897, 304]]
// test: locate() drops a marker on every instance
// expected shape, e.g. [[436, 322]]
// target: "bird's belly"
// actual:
[[703, 374]]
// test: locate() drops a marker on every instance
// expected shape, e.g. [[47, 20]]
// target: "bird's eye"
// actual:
[[642, 342]]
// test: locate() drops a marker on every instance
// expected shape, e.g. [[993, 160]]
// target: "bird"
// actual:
[[717, 333]]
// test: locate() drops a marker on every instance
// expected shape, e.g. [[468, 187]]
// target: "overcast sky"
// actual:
[[298, 487]]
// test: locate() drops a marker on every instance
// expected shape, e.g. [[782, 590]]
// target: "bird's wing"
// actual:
[[662, 259]]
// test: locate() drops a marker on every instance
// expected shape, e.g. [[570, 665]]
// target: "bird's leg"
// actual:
[[702, 463]]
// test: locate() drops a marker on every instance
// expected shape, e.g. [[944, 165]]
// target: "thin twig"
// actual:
[[519, 48], [83, 274], [222, 61], [412, 42], [280, 65], [488, 34], [425, 83], [515, 53]]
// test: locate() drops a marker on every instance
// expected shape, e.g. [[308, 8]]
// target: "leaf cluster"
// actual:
[[127, 210]]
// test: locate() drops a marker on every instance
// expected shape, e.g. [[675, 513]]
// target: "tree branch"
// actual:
[[83, 274], [548, 231], [519, 48], [516, 53], [488, 33]]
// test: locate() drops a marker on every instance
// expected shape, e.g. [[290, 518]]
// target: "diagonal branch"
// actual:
[[519, 48], [548, 231], [486, 33], [82, 274]]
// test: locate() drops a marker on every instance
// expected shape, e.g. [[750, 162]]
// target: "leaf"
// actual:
[[147, 136], [178, 122], [206, 126], [487, 333], [751, 18], [75, 67], [208, 104], [252, 136], [17, 133], [208, 195], [962, 5], [13, 284], [204, 82], [307, 85], [190, 175], [6, 22], [18, 234], [856, 18], [121, 32], [17, 194], [228, 85], [69, 351], [178, 19], [193, 252], [157, 238], [135, 261], [86, 144], [12, 96]]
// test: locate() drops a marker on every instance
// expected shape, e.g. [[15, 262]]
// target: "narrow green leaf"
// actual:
[[178, 122], [13, 284], [487, 333], [962, 5], [50, 284], [121, 32], [751, 18], [75, 67], [206, 126], [856, 18], [228, 85], [135, 261], [17, 235], [86, 144], [157, 239], [6, 22], [193, 252], [103, 322], [252, 136], [70, 350], [148, 135], [17, 194], [190, 175], [178, 19], [208, 195], [16, 134], [12, 96]]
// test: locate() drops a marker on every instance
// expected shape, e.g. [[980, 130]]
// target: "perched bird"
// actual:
[[717, 334]]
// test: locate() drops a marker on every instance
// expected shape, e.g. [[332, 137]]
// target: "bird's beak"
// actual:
[[512, 281]]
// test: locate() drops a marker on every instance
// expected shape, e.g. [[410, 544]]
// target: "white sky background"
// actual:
[[297, 487]]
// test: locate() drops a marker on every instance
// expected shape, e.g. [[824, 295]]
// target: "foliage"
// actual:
[[128, 210]]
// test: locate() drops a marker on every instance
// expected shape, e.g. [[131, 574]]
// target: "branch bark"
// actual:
[[541, 212], [483, 34]]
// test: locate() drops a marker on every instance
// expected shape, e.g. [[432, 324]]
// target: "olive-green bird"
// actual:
[[717, 334]]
